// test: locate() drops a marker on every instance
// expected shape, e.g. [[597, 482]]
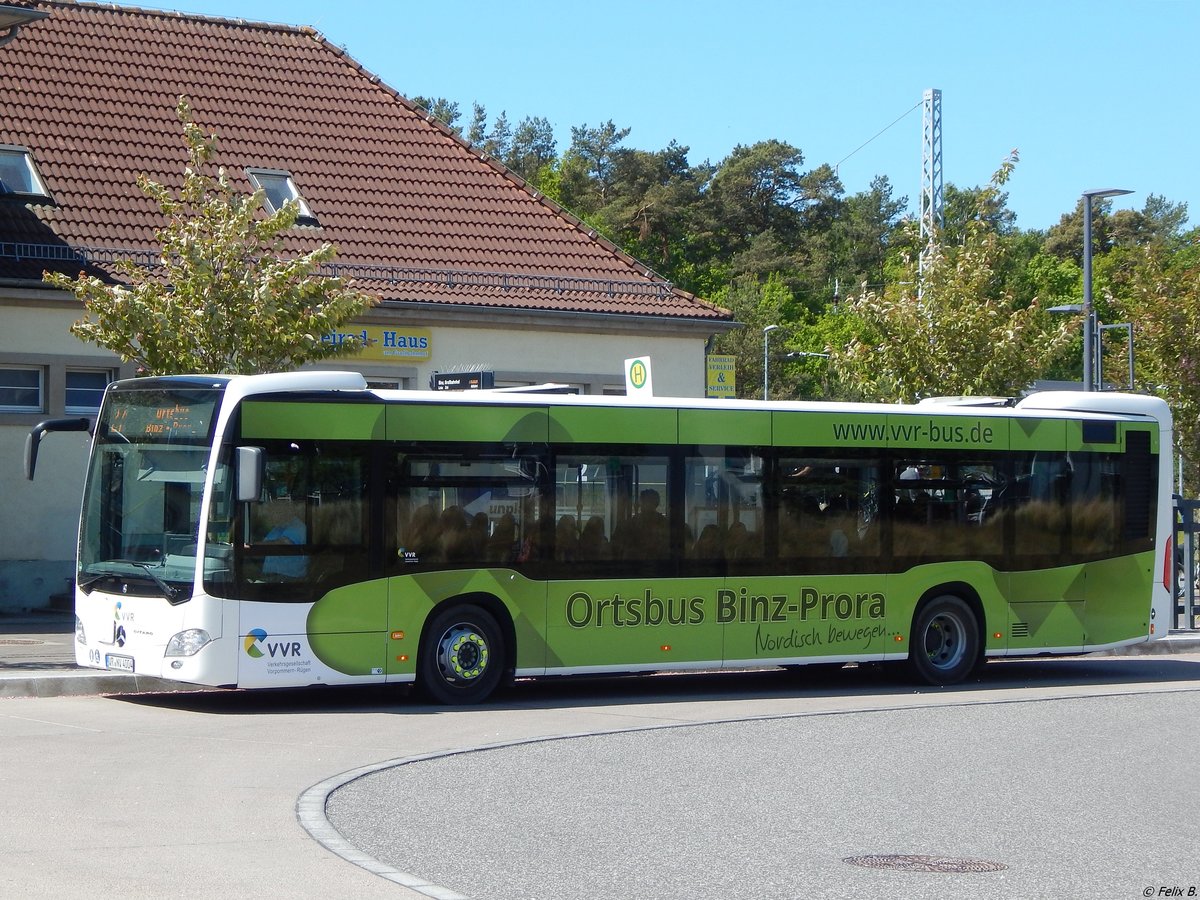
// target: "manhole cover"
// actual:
[[18, 641], [920, 863]]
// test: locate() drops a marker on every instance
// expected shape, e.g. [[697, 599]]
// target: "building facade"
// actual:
[[472, 268]]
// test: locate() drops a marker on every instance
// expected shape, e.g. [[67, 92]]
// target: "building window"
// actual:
[[389, 384], [279, 188], [85, 388], [18, 174], [21, 390]]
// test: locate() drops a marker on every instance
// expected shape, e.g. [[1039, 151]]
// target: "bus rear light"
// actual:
[[187, 643], [1169, 564]]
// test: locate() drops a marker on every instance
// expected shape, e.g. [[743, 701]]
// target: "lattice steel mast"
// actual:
[[931, 167]]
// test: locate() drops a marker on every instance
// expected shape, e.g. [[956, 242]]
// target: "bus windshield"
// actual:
[[144, 486]]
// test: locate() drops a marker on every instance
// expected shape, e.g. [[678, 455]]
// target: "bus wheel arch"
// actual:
[[947, 637], [466, 650]]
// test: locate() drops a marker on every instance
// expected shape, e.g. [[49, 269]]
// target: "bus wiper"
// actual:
[[149, 570], [86, 583]]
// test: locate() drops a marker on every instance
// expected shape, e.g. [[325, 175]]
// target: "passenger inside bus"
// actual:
[[286, 529], [592, 542]]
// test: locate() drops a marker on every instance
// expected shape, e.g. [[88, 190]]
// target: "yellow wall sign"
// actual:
[[387, 343], [721, 376]]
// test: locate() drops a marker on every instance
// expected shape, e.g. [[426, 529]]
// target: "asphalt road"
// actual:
[[1073, 777]]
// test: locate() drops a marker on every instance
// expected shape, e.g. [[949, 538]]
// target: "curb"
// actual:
[[1175, 642], [86, 684], [77, 682]]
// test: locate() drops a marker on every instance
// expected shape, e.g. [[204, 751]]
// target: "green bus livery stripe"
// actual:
[[485, 424], [264, 419], [1037, 434], [614, 425], [893, 430], [747, 427]]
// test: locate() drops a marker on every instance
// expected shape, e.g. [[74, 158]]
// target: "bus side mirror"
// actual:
[[39, 431], [249, 474]]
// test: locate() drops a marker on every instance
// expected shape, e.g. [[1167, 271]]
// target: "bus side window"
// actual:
[[828, 508], [583, 506], [640, 499], [1095, 504], [451, 506], [1037, 502], [284, 528], [277, 529], [311, 523], [724, 510]]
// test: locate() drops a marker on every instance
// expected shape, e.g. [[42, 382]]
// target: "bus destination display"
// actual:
[[157, 417]]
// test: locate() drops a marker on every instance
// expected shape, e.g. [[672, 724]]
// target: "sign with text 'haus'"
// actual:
[[385, 343]]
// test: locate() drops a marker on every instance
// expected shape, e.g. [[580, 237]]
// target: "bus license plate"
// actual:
[[119, 663]]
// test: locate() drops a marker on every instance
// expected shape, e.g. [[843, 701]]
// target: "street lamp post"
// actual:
[[1089, 311], [766, 358], [1097, 336]]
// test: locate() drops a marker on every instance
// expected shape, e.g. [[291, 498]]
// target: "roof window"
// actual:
[[18, 175], [279, 188]]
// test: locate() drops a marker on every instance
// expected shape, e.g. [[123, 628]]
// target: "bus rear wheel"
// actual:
[[462, 656], [945, 641]]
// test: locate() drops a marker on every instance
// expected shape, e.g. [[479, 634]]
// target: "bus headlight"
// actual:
[[187, 643], [80, 635]]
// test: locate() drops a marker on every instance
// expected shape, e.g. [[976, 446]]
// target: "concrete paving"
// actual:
[[37, 659], [94, 786]]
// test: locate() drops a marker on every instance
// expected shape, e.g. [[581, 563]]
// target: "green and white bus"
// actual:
[[298, 529]]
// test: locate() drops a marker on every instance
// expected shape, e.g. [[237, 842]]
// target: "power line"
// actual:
[[838, 164]]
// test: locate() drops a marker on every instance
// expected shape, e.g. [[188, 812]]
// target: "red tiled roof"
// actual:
[[415, 213]]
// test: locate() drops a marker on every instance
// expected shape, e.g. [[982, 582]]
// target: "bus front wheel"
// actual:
[[462, 656], [945, 641]]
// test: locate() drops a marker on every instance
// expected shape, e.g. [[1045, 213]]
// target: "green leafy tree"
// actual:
[[440, 108], [1065, 240], [526, 150], [755, 305], [477, 131], [958, 331], [1165, 220], [653, 201], [755, 189], [498, 142], [222, 298], [588, 170], [820, 247], [533, 147], [963, 207], [865, 229], [1161, 296]]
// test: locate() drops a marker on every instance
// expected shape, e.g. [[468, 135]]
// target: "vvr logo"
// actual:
[[257, 646]]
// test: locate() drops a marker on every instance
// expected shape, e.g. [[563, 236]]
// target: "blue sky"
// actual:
[[1094, 94]]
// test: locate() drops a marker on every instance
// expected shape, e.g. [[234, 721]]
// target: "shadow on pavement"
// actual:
[[593, 691]]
